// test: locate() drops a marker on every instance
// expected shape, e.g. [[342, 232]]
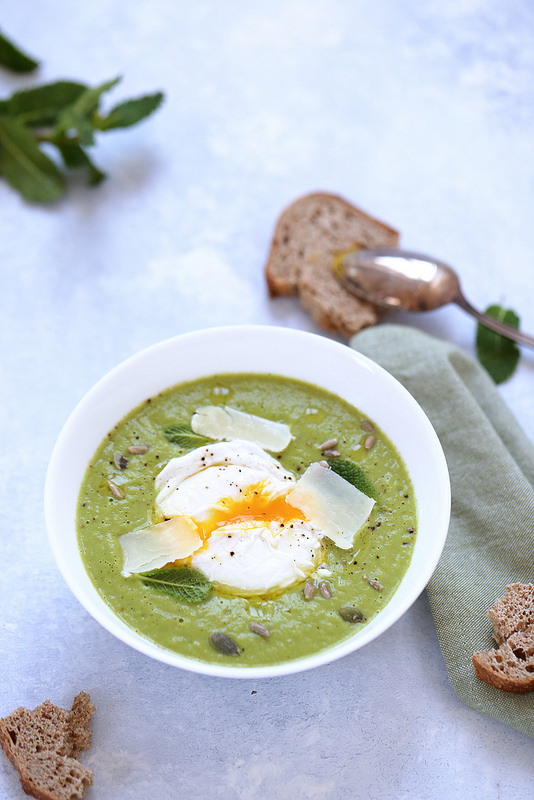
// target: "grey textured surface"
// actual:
[[422, 114]]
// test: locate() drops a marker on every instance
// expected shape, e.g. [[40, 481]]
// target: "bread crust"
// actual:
[[307, 236], [510, 666]]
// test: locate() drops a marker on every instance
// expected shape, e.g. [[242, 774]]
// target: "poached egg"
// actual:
[[239, 517]]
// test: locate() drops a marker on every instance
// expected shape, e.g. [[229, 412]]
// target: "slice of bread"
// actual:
[[307, 236], [43, 746], [510, 666]]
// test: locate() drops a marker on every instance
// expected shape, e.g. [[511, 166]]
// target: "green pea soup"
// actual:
[[364, 577]]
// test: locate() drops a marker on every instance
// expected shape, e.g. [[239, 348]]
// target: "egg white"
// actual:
[[254, 542]]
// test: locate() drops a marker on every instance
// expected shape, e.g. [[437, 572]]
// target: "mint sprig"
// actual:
[[354, 474], [498, 354], [67, 116], [183, 583]]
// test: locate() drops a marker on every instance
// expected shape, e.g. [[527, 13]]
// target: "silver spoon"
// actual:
[[411, 282]]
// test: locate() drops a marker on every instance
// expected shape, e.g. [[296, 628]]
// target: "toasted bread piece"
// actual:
[[510, 666], [513, 612], [43, 746], [307, 236]]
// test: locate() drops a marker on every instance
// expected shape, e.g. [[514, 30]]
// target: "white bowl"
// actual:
[[262, 349]]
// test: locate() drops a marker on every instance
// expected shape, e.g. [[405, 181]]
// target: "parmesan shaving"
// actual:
[[333, 504], [153, 547], [224, 422]]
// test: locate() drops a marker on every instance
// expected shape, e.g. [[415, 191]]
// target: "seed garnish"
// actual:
[[261, 630], [369, 442], [224, 644], [115, 491], [325, 590], [351, 614], [331, 453], [138, 449], [310, 589], [120, 461], [328, 445]]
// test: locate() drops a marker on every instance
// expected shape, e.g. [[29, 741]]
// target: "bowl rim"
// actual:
[[100, 396]]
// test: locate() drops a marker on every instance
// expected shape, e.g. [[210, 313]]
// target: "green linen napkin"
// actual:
[[491, 535]]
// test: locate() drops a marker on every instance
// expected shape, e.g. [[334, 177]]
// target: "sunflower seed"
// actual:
[[328, 445], [310, 590], [115, 491], [138, 449], [261, 630], [369, 442], [331, 453], [325, 590], [367, 425], [375, 584]]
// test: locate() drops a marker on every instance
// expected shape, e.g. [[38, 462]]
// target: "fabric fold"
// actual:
[[490, 543]]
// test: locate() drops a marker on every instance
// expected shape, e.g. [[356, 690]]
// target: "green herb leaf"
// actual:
[[76, 119], [354, 474], [497, 354], [14, 59], [184, 436], [130, 112], [184, 583], [75, 157], [25, 166], [41, 105], [64, 114]]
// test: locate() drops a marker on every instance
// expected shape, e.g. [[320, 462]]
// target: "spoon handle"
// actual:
[[494, 324]]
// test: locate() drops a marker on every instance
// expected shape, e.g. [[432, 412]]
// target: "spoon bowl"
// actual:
[[412, 282]]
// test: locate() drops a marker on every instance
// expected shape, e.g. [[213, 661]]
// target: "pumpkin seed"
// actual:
[[120, 461], [224, 644], [351, 614]]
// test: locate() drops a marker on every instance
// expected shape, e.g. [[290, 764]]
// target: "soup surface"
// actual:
[[300, 620]]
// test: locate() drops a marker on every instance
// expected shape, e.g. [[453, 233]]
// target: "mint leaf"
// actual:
[[26, 168], [130, 112], [354, 474], [41, 105], [76, 119], [75, 157], [184, 436], [14, 59], [498, 354], [183, 583]]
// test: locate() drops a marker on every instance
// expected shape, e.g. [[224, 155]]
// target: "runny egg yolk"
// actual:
[[254, 503]]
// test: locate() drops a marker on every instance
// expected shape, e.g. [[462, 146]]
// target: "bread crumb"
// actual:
[[43, 746]]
